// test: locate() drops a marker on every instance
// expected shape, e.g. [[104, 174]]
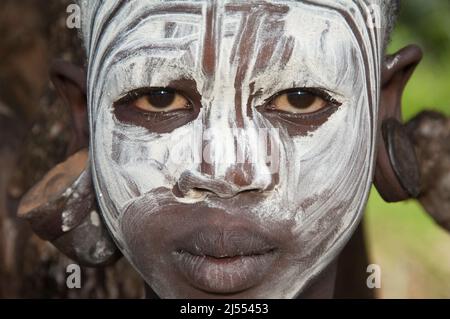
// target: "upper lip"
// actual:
[[221, 242]]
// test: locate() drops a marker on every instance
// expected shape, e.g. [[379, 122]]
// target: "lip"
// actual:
[[220, 259]]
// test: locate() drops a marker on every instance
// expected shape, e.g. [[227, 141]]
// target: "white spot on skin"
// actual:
[[95, 218], [67, 219], [192, 197], [68, 192], [100, 249]]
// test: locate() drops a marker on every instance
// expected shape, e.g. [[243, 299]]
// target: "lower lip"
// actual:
[[224, 275]]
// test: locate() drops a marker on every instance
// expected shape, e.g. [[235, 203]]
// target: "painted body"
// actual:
[[170, 186]]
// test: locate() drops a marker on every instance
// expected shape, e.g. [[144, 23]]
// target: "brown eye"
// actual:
[[298, 101], [160, 100]]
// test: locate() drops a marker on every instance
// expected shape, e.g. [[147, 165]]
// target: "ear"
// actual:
[[396, 72], [62, 208], [397, 175], [70, 83]]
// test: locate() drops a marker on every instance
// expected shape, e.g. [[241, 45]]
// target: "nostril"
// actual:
[[201, 190], [189, 181], [193, 194], [251, 190], [225, 193]]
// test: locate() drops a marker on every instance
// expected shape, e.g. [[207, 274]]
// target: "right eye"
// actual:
[[159, 110], [157, 100]]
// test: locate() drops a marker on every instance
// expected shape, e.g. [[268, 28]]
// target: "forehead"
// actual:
[[312, 43], [213, 38], [100, 16], [213, 21]]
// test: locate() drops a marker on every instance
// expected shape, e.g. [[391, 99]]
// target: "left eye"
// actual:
[[160, 100], [298, 101]]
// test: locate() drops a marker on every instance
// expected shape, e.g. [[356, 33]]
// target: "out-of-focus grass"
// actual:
[[429, 86], [413, 252]]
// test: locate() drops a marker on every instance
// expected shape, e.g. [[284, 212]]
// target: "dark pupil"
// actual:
[[161, 98], [300, 100]]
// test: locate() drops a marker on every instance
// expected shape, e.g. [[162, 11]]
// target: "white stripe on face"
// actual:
[[239, 55]]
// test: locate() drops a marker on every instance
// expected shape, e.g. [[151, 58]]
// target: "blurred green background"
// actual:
[[414, 253]]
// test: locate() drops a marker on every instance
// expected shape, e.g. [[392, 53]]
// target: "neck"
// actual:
[[322, 287]]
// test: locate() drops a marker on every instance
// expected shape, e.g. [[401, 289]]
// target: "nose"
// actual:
[[196, 184], [234, 154]]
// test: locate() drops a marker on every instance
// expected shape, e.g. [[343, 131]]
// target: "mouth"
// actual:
[[202, 251], [224, 260]]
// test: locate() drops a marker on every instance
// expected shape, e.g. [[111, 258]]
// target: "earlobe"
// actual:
[[62, 208], [396, 71], [401, 63], [397, 174], [70, 83]]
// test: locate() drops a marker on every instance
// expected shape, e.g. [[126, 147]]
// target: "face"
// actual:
[[232, 143]]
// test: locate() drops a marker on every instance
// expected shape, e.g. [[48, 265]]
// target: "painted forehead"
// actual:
[[100, 16], [191, 39]]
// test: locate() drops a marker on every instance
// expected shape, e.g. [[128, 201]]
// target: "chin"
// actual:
[[196, 251]]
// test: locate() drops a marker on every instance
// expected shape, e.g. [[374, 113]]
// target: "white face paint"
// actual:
[[324, 174]]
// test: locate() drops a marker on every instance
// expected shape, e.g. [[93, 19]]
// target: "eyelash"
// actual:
[[316, 91], [138, 93]]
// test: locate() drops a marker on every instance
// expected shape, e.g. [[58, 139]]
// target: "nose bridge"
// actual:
[[219, 142], [234, 153]]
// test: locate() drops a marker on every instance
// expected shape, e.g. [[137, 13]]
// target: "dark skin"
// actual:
[[70, 83], [394, 80]]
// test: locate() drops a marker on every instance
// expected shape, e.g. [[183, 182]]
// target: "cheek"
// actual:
[[332, 165], [135, 161]]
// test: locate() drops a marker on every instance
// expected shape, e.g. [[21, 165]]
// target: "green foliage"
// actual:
[[426, 23], [413, 251]]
